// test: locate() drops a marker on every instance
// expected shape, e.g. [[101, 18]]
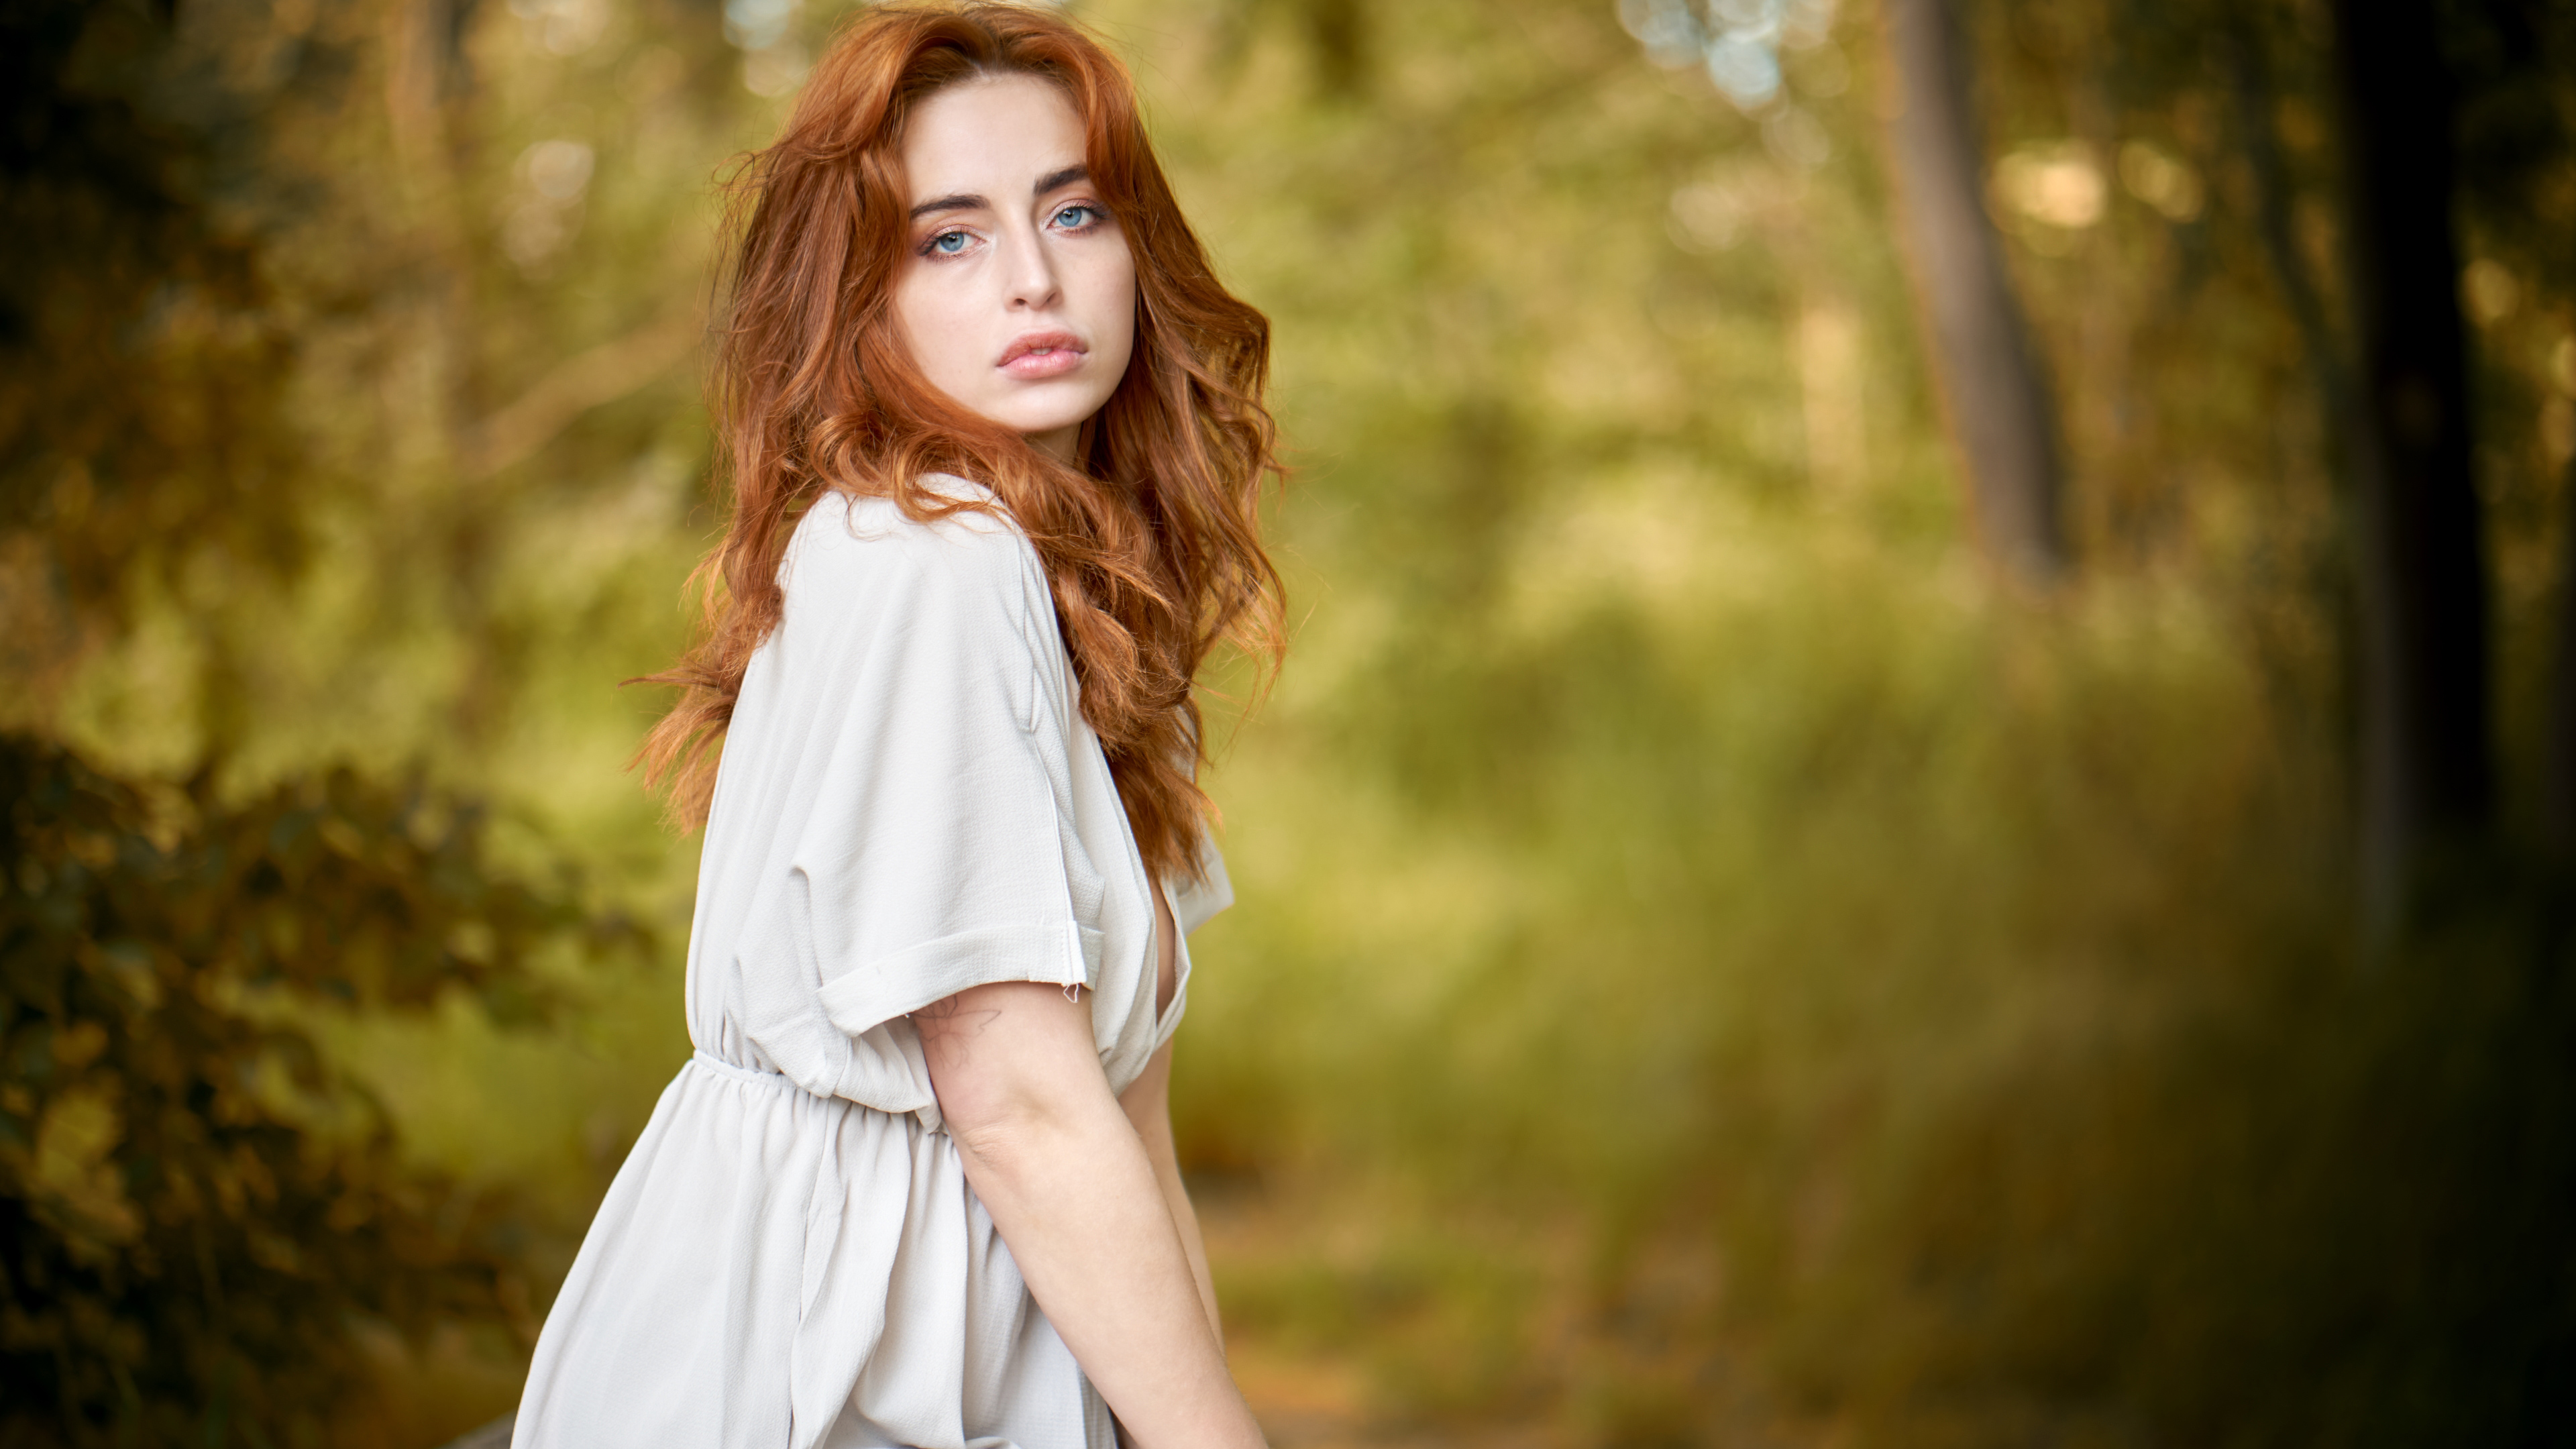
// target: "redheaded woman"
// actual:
[[996, 443]]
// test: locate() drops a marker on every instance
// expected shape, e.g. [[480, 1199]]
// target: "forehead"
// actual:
[[992, 136]]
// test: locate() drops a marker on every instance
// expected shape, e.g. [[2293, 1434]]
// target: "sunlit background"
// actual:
[[1720, 960]]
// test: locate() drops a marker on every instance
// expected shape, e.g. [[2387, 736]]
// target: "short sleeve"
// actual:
[[935, 857]]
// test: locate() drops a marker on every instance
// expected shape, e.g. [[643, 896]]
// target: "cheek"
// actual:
[[1113, 301], [928, 319]]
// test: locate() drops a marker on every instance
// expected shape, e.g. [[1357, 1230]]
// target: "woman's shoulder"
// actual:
[[867, 539], [860, 555]]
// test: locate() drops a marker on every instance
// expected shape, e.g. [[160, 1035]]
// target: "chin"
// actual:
[[1033, 416], [1031, 424]]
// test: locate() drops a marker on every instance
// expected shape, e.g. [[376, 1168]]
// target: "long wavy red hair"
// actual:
[[1151, 543]]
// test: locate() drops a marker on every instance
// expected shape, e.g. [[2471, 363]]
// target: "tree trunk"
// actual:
[[2427, 771], [2560, 749], [1993, 396]]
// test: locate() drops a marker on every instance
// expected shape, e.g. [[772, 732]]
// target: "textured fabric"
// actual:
[[909, 804]]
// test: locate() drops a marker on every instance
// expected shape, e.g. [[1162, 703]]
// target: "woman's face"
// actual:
[[1016, 296]]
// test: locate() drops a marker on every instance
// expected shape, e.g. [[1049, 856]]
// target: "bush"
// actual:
[[197, 1212]]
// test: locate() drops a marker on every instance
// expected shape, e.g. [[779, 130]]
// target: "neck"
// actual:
[[1057, 443]]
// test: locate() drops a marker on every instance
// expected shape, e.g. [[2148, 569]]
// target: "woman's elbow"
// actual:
[[996, 1116]]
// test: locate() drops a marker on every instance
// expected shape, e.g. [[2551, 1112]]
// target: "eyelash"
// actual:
[[929, 247]]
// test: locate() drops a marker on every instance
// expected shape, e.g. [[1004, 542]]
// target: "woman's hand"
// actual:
[[1077, 1197]]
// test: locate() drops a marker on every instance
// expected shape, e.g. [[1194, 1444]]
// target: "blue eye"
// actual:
[[1075, 218], [948, 243]]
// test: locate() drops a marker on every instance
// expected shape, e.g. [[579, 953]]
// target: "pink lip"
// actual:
[[1033, 355]]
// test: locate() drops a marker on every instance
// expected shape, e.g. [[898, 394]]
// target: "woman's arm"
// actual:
[[1148, 1103], [1075, 1194]]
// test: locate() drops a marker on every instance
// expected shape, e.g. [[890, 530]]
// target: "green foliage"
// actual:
[[195, 1207], [2317, 1207], [1975, 988]]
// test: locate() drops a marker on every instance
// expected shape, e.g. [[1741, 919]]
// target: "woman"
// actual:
[[996, 444]]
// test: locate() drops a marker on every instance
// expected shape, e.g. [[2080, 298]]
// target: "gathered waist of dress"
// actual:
[[777, 1081], [754, 1075]]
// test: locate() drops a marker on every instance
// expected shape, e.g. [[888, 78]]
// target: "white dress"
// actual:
[[909, 804]]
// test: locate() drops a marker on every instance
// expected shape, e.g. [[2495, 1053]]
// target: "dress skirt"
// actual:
[[772, 1268]]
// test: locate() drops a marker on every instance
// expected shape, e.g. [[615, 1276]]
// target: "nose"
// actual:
[[1030, 274]]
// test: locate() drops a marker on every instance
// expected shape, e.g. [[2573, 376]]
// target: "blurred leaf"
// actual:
[[196, 1211]]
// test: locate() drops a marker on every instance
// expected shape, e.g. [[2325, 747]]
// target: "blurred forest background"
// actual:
[[1738, 943]]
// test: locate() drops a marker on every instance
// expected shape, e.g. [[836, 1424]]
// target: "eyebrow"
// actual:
[[968, 201]]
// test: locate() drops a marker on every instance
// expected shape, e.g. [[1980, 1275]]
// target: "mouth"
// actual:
[[1033, 355]]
